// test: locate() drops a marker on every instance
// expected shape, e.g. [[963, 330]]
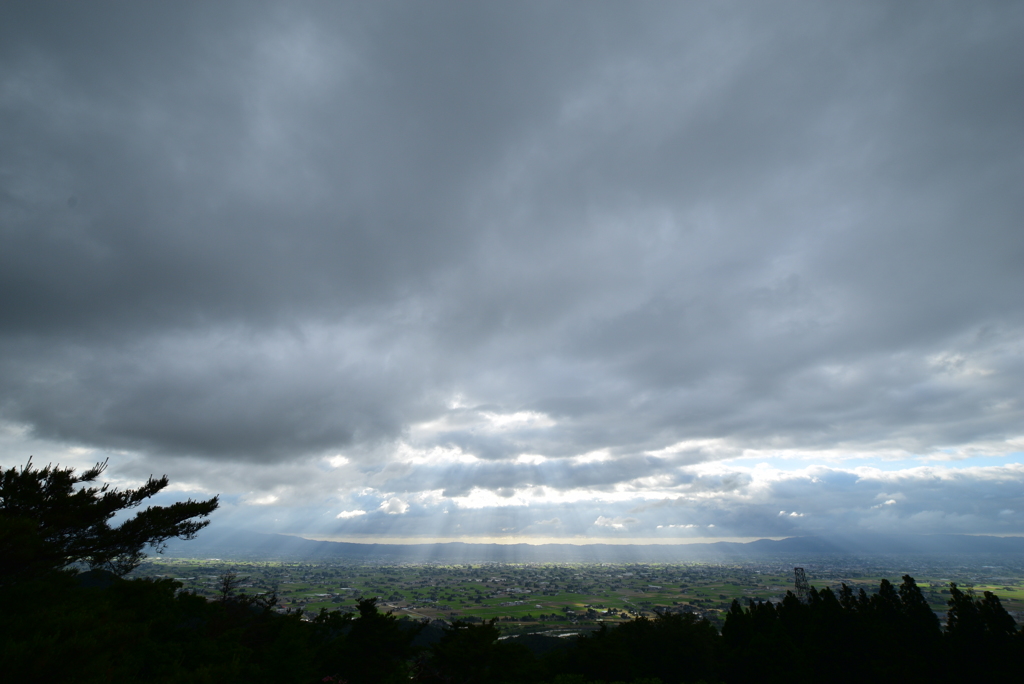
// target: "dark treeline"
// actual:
[[99, 628], [892, 635]]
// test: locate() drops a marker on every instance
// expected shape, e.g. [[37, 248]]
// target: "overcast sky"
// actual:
[[522, 271]]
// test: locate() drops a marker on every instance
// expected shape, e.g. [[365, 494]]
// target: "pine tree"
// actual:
[[48, 523], [919, 615]]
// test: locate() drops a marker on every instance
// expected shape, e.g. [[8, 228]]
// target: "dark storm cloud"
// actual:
[[214, 395], [262, 232]]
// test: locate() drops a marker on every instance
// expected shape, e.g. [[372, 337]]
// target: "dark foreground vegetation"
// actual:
[[96, 628], [62, 625]]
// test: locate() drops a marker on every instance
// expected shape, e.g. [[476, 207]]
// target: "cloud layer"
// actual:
[[539, 269]]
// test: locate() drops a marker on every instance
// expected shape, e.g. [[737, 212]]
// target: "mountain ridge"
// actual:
[[248, 544]]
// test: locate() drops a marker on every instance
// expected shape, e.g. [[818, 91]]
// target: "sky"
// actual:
[[531, 271]]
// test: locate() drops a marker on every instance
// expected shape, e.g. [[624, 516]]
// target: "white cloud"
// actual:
[[394, 506], [518, 420], [265, 500], [617, 523]]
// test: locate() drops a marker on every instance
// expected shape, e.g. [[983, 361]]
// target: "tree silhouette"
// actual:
[[894, 632], [48, 524], [970, 618], [916, 609]]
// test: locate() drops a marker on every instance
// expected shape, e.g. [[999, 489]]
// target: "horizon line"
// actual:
[[591, 541], [533, 541]]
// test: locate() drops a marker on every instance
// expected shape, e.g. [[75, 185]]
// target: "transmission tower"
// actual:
[[800, 580]]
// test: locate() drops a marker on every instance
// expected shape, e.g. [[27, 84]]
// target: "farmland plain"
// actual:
[[567, 597]]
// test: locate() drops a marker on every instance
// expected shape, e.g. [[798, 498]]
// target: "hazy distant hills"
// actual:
[[244, 544]]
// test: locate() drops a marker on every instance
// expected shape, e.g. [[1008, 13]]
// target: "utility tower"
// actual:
[[802, 588]]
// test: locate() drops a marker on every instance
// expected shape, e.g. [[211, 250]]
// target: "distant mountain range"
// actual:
[[234, 544]]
